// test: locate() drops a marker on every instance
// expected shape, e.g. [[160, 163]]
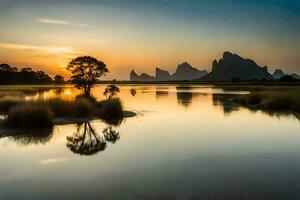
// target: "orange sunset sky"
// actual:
[[142, 35]]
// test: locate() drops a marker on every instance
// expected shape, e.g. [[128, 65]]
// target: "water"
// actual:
[[185, 143]]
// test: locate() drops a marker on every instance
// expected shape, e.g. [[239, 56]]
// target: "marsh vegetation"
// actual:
[[270, 98], [277, 101], [41, 113]]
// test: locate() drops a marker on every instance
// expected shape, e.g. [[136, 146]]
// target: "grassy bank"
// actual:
[[41, 113], [217, 83], [111, 110], [285, 99], [29, 115], [271, 100]]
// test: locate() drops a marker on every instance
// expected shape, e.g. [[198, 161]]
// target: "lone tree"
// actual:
[[86, 71], [111, 91]]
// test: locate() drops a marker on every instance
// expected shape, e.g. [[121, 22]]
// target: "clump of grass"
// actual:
[[77, 108], [40, 113], [61, 108], [29, 115], [273, 100], [111, 110], [83, 107], [250, 99], [89, 98]]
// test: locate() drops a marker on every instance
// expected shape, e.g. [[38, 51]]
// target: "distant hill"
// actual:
[[233, 66], [162, 75], [143, 77], [184, 71], [230, 67], [278, 74]]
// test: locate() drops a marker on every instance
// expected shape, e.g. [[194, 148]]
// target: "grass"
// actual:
[[60, 108], [29, 115], [278, 98], [111, 110], [31, 87], [41, 113], [260, 88], [63, 108], [89, 98]]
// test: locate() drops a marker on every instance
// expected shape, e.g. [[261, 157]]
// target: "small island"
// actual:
[[44, 113]]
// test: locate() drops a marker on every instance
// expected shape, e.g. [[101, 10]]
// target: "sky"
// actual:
[[145, 34]]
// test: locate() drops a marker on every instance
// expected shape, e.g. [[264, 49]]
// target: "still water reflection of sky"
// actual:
[[185, 142]]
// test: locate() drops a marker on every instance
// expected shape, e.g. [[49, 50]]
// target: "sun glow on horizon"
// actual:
[[46, 37]]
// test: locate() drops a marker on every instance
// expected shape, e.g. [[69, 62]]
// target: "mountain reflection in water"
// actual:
[[186, 142]]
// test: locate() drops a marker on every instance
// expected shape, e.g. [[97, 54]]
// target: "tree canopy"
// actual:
[[111, 91], [58, 79], [86, 71], [11, 75]]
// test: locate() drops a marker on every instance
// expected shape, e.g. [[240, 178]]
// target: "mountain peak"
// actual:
[[185, 64], [234, 66], [185, 71], [162, 75], [143, 77]]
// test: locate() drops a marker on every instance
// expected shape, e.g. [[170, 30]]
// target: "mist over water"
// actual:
[[185, 142]]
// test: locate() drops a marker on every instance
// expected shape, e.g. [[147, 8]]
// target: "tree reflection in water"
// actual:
[[86, 142], [110, 135]]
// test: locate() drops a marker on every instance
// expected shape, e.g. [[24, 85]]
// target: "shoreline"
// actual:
[[214, 83], [8, 131]]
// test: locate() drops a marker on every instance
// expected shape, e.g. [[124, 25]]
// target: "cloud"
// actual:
[[52, 160], [56, 50], [53, 21], [60, 22]]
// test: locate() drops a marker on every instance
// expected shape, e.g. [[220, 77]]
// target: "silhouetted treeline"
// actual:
[[11, 75]]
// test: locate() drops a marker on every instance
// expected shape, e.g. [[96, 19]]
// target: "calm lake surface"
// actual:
[[186, 142]]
